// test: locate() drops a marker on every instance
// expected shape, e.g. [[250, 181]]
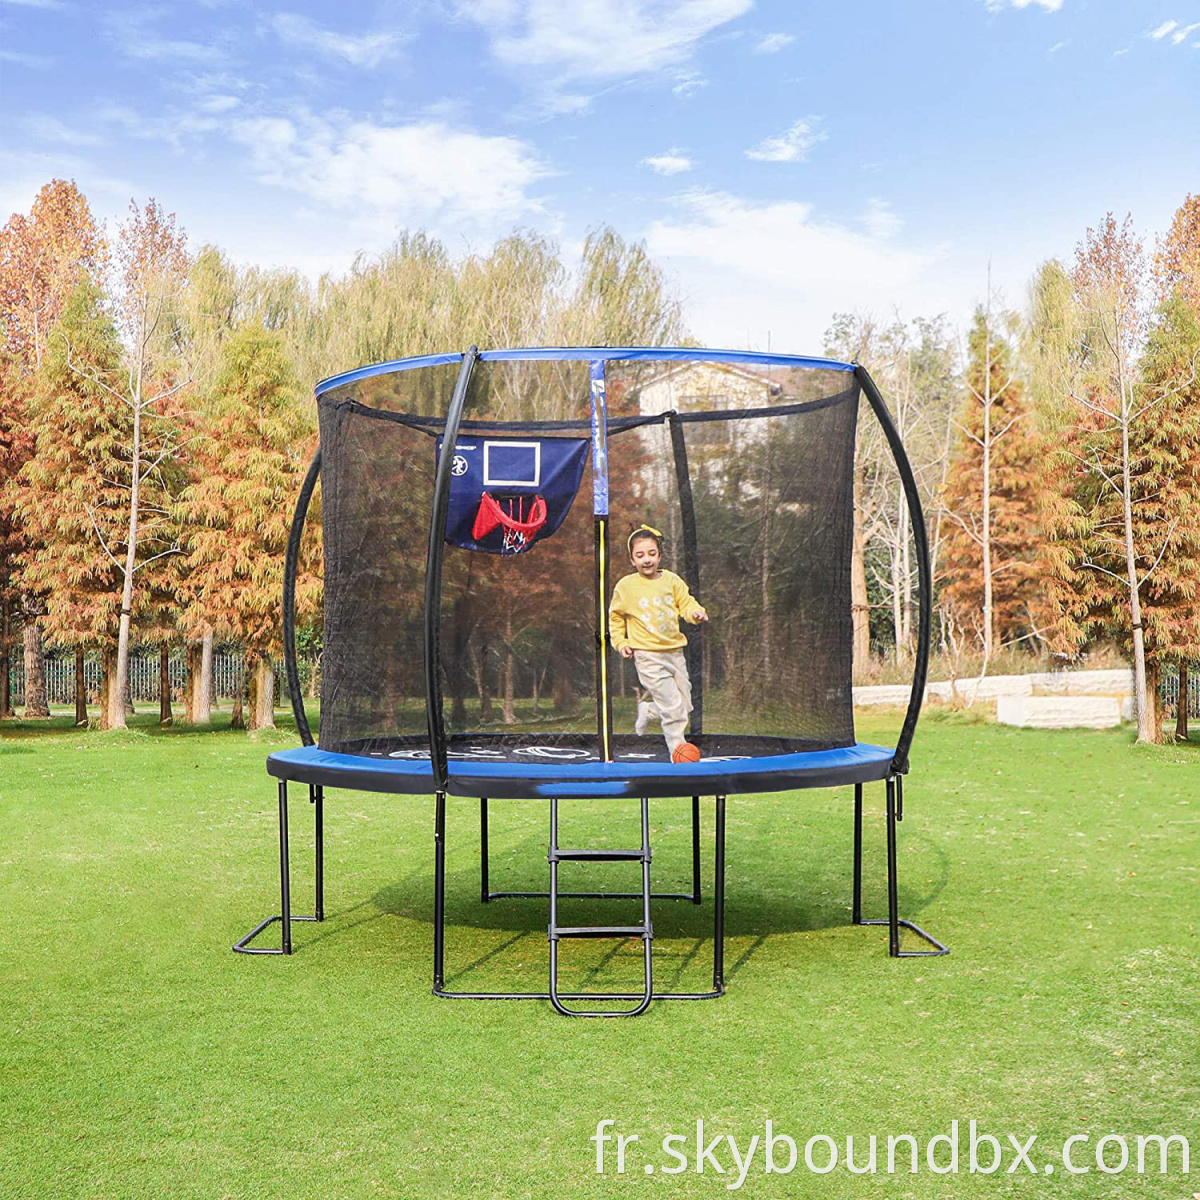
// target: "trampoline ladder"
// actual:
[[556, 931]]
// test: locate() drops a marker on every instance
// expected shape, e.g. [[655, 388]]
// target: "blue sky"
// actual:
[[784, 161]]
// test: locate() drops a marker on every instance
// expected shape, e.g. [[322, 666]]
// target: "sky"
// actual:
[[782, 161]]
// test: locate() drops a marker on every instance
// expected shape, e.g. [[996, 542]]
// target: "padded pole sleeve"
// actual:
[[290, 565], [924, 572], [433, 574]]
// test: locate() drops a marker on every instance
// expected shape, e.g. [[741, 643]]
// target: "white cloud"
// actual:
[[792, 145], [673, 162], [1048, 5], [24, 60], [1181, 35], [777, 266], [50, 129], [1162, 31], [426, 173], [1056, 47], [879, 220], [219, 103], [366, 50], [773, 43], [50, 5], [598, 39], [688, 83], [132, 33]]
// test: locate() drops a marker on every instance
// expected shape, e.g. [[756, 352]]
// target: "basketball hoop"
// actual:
[[519, 527]]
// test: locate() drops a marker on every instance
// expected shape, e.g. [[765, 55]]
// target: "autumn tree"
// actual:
[[153, 263], [16, 446], [70, 495], [1177, 263], [1121, 427], [235, 514], [992, 495], [43, 256]]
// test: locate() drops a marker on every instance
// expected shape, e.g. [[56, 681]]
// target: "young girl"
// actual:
[[643, 622]]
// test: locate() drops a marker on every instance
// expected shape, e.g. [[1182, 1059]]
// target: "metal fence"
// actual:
[[229, 672], [1170, 688]]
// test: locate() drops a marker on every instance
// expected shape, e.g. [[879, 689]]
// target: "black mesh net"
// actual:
[[749, 474]]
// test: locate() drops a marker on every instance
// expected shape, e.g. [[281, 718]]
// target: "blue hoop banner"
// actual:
[[599, 440]]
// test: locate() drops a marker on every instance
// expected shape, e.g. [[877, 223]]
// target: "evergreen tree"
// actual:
[[992, 496], [248, 462]]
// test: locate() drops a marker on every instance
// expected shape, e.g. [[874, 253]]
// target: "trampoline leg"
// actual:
[[893, 885], [856, 910], [484, 888], [285, 917], [894, 922], [439, 893], [695, 849], [316, 797], [719, 901]]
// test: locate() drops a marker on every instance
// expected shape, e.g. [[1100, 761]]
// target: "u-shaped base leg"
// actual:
[[285, 916], [895, 814]]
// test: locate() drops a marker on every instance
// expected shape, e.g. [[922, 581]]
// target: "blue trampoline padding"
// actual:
[[860, 763], [590, 353]]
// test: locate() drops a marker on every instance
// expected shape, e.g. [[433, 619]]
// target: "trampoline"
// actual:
[[475, 509]]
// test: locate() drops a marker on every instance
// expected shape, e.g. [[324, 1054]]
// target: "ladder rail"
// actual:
[[645, 931]]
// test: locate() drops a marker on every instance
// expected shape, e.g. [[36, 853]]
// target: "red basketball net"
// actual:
[[520, 527]]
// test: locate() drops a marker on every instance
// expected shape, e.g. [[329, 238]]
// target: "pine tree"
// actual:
[[70, 494], [992, 496], [248, 462]]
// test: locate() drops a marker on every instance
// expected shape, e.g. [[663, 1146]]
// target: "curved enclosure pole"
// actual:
[[691, 563], [924, 572], [433, 574], [289, 599]]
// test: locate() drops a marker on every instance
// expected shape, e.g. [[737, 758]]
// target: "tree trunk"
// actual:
[[1181, 709], [6, 708], [81, 717], [165, 716], [204, 692], [483, 685], [36, 708], [986, 533], [1147, 713], [107, 675], [238, 719], [262, 693], [191, 684]]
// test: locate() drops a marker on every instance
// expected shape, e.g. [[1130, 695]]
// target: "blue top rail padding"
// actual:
[[605, 353]]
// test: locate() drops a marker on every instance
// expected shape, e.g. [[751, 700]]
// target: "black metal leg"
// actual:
[[719, 902], [695, 849], [285, 882], [285, 917], [856, 909], [894, 922], [484, 889], [439, 893], [892, 883], [316, 795]]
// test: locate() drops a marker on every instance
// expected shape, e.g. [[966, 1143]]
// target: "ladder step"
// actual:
[[600, 931], [556, 855]]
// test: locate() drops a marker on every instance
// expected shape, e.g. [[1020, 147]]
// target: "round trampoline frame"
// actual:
[[444, 772]]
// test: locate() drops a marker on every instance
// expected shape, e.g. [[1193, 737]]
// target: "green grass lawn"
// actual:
[[141, 1058]]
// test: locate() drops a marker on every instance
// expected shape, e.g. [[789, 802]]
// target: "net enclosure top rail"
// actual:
[[590, 353]]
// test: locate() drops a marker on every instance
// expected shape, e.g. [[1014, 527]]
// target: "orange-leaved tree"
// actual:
[[71, 493], [992, 496], [235, 513]]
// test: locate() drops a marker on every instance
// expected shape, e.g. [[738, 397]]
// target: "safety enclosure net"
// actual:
[[745, 466]]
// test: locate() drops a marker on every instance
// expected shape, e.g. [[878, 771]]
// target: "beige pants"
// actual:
[[664, 674]]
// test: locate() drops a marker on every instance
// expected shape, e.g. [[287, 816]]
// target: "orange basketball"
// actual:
[[686, 753]]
